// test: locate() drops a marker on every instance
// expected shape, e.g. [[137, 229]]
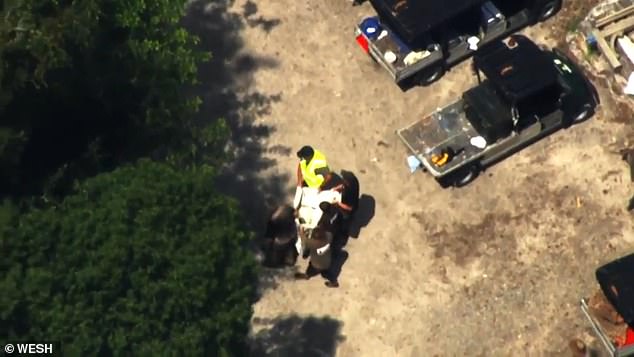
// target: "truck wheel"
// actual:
[[430, 76], [466, 176], [459, 178], [584, 113], [548, 10]]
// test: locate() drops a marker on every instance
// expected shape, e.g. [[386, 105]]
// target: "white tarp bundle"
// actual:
[[307, 202]]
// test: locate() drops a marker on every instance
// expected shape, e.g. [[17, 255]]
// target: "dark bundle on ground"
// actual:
[[279, 238]]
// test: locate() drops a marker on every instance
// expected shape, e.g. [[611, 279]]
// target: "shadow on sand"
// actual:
[[363, 216], [226, 88], [297, 336]]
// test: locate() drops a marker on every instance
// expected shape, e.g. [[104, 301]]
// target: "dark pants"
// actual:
[[311, 271]]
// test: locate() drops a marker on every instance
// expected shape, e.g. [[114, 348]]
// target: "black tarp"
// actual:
[[411, 18], [519, 72], [491, 117], [617, 283]]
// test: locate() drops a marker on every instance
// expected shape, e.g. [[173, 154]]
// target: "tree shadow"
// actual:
[[363, 216], [270, 278], [297, 336], [250, 8], [226, 88]]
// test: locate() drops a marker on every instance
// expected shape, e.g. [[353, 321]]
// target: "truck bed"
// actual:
[[448, 127], [415, 16], [388, 41]]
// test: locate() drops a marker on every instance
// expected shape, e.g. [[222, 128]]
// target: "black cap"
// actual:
[[306, 152]]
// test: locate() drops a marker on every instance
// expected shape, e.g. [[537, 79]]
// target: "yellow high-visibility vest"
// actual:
[[308, 171]]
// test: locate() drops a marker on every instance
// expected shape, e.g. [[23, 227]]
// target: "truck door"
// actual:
[[544, 105]]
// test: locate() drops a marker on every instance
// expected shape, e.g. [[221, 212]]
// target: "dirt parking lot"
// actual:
[[496, 268]]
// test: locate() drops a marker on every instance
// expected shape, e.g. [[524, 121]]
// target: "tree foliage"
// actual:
[[143, 258], [146, 260], [87, 84]]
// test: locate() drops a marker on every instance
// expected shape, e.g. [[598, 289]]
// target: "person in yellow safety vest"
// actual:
[[312, 170]]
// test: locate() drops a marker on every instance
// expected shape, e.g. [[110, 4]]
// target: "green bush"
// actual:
[[145, 260]]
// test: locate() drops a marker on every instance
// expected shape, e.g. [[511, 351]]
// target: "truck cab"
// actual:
[[417, 41], [524, 94], [616, 281]]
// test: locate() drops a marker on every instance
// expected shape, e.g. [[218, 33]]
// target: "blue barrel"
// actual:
[[371, 27], [591, 41]]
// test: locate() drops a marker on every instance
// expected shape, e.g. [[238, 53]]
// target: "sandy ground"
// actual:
[[496, 268]]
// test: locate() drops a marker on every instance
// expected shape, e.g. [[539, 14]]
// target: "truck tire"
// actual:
[[548, 10], [584, 113], [430, 75], [460, 178], [466, 176]]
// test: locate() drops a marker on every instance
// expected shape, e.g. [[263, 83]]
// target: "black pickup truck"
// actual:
[[527, 93], [416, 41]]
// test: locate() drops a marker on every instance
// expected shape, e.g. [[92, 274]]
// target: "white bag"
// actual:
[[298, 197], [323, 250]]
